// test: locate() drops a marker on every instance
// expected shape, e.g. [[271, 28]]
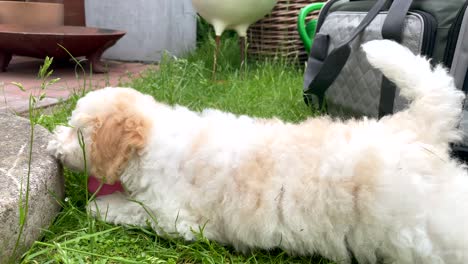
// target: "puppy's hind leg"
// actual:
[[436, 103]]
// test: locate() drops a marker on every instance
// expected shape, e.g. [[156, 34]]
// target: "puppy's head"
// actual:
[[107, 129]]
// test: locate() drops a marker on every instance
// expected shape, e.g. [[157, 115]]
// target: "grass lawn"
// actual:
[[264, 89]]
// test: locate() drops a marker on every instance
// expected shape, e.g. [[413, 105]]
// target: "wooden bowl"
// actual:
[[41, 41], [29, 13]]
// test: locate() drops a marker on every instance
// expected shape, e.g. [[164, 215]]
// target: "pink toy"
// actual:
[[106, 189]]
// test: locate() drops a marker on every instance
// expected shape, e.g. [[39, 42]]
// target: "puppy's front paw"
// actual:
[[185, 230], [98, 209], [117, 209]]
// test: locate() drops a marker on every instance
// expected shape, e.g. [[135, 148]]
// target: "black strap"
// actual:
[[324, 13], [322, 71], [465, 83], [387, 97], [392, 29], [395, 21]]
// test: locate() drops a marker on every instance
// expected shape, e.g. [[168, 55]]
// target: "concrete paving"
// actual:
[[24, 70]]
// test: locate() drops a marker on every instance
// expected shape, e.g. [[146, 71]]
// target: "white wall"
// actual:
[[153, 26]]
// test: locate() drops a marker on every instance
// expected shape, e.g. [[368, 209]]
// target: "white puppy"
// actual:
[[370, 189]]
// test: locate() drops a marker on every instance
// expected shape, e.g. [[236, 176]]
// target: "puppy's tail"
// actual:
[[436, 104]]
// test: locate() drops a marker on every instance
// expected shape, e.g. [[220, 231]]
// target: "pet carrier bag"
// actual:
[[338, 78]]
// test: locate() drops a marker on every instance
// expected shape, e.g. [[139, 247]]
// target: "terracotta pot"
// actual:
[[74, 10], [29, 13]]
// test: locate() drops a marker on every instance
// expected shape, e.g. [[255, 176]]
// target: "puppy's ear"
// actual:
[[115, 139]]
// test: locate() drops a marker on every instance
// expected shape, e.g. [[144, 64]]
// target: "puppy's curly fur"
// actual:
[[384, 189]]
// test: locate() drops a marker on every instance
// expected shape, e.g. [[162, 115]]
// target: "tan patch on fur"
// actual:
[[199, 140], [366, 171], [268, 121], [311, 132], [363, 183], [199, 167], [252, 174], [117, 136], [347, 135], [201, 171]]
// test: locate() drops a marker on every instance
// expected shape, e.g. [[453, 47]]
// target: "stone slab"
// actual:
[[46, 183]]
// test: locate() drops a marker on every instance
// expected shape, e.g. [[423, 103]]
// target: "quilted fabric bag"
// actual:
[[338, 77]]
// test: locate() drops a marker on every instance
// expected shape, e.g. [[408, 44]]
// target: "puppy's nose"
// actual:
[[60, 129], [59, 135], [52, 148]]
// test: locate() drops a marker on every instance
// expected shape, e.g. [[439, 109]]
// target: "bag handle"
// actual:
[[322, 70], [392, 29], [395, 21]]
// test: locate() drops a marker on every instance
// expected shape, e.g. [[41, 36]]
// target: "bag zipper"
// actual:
[[454, 33], [430, 30], [429, 34]]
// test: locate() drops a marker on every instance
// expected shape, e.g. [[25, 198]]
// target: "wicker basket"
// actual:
[[276, 34]]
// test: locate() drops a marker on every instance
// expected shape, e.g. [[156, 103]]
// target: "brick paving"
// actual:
[[24, 70]]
